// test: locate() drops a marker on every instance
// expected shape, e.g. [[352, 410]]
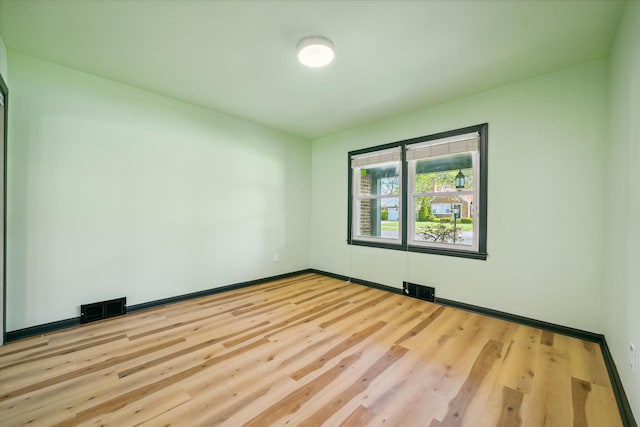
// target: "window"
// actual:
[[426, 194], [377, 189]]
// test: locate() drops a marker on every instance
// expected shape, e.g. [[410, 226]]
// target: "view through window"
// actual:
[[426, 194]]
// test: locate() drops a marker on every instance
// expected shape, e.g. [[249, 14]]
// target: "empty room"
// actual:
[[320, 213]]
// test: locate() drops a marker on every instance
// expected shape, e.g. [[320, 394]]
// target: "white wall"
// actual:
[[622, 273], [114, 191], [546, 170]]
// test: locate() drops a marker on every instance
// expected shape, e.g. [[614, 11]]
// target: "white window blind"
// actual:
[[444, 147], [376, 157]]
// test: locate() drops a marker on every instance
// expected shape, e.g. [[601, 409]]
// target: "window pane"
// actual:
[[439, 174], [381, 180], [444, 219], [379, 218]]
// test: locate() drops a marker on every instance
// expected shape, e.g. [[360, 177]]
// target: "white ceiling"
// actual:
[[239, 57]]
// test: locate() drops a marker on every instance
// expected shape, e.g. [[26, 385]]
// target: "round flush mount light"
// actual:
[[315, 51]]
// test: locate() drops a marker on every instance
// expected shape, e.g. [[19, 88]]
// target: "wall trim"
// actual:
[[618, 390], [212, 291], [42, 329], [358, 281], [75, 321], [522, 320]]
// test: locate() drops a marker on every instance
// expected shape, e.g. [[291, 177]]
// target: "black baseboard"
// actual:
[[618, 390], [329, 274], [358, 281], [522, 320], [67, 323], [212, 291], [45, 328]]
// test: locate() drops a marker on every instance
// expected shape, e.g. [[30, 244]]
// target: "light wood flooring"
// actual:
[[305, 351]]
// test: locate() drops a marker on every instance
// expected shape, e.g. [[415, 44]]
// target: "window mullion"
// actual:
[[411, 203], [379, 196], [476, 197], [445, 193]]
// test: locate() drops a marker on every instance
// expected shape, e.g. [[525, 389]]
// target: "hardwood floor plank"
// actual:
[[579, 392], [84, 371], [257, 289], [356, 310], [316, 312], [148, 408], [457, 407], [121, 401], [600, 407], [406, 397], [320, 294], [308, 318], [219, 396], [292, 402], [547, 338], [550, 402], [360, 417], [511, 402], [269, 303], [358, 386], [309, 351], [181, 352], [451, 365], [585, 361], [518, 363], [335, 351], [186, 322], [65, 349], [220, 416], [421, 326], [5, 354]]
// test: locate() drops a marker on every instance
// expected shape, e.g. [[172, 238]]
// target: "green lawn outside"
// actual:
[[393, 225]]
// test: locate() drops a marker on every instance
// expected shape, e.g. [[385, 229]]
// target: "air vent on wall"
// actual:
[[426, 293], [103, 309]]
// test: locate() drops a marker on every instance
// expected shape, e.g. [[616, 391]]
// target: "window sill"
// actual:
[[381, 245], [421, 249], [450, 252]]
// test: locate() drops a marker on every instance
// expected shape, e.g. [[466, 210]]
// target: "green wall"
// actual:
[[545, 220], [3, 60], [114, 191], [3, 73], [622, 273]]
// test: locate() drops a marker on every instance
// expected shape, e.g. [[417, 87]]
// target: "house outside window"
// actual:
[[441, 209], [426, 194]]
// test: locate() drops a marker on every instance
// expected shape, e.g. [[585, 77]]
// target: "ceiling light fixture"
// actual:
[[315, 51]]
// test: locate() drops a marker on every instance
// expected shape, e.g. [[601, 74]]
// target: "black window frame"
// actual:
[[481, 253]]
